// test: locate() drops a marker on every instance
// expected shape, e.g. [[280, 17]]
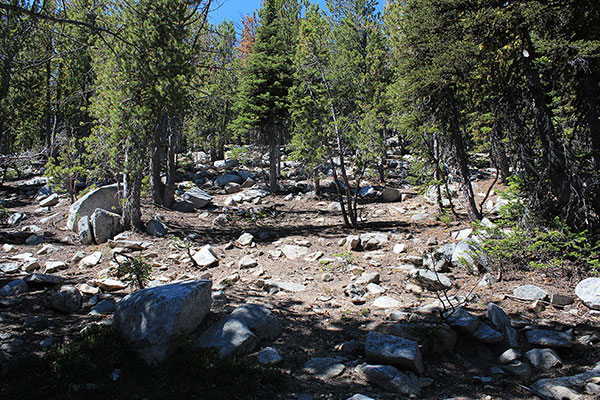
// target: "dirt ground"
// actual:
[[319, 318]]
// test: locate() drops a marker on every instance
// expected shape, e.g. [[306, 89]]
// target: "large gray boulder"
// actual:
[[390, 379], [153, 320], [394, 350], [105, 225], [198, 197], [588, 291], [228, 178], [241, 331], [67, 300], [105, 198]]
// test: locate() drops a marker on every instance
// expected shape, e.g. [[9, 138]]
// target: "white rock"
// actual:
[[588, 291], [91, 260]]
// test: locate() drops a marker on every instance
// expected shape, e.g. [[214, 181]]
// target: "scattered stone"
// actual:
[[30, 265], [105, 198], [285, 286], [368, 277], [247, 262], [391, 195], [562, 388], [246, 239], [269, 356], [67, 300], [373, 288], [359, 396], [462, 320], [197, 197], [106, 306], [205, 257], [373, 240], [390, 379], [46, 343], [430, 280], [9, 268], [110, 285], [529, 292], [326, 277], [399, 248], [488, 335], [588, 291], [228, 178], [156, 228], [386, 303], [14, 288], [468, 253], [105, 225], [15, 218], [434, 339], [509, 356], [49, 201], [325, 367], [87, 289], [314, 256], [394, 350], [152, 320], [500, 320], [349, 347], [292, 252], [54, 266], [543, 358], [561, 300], [518, 369], [549, 338], [91, 260], [241, 331], [42, 280], [34, 240]]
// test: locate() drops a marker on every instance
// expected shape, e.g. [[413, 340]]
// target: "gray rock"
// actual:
[[368, 277], [430, 280], [106, 306], [184, 206], [386, 303], [462, 320], [292, 251], [389, 378], [395, 350], [9, 268], [15, 218], [434, 339], [156, 228], [205, 257], [543, 358], [269, 356], [84, 230], [561, 300], [241, 331], [105, 225], [67, 300], [549, 338], [588, 291], [198, 197], [488, 335], [391, 195], [232, 187], [325, 367], [225, 164], [49, 201], [105, 198], [34, 240], [91, 260], [14, 288], [500, 320], [509, 356], [285, 286], [373, 240], [246, 239], [359, 396], [561, 388], [228, 178], [43, 280], [529, 292], [247, 262], [54, 266], [468, 253], [152, 320], [518, 369], [48, 342]]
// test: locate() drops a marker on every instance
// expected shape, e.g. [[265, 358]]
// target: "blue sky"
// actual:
[[235, 10]]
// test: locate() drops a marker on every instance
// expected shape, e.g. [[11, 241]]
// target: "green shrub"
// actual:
[[134, 270]]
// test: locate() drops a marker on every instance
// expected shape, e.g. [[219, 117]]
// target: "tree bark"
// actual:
[[131, 216], [169, 192], [460, 157], [156, 184], [273, 160]]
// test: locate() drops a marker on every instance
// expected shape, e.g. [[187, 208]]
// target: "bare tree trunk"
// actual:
[[499, 151], [340, 192], [317, 181], [156, 184], [174, 133], [461, 159], [273, 160], [131, 216], [591, 100]]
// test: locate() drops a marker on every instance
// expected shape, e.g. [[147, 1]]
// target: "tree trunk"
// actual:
[[340, 192], [132, 190], [460, 157], [174, 132], [273, 160], [591, 102], [499, 151], [156, 184], [317, 181]]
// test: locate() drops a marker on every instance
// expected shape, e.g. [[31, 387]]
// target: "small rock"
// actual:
[[368, 277], [14, 288], [518, 369], [106, 306], [67, 300], [386, 302], [373, 288], [156, 228], [269, 356], [247, 262], [91, 260], [10, 268], [205, 257], [293, 252], [543, 358], [394, 350], [462, 320], [325, 367], [48, 342], [246, 239], [588, 291], [561, 300], [529, 292], [49, 201], [110, 285], [549, 338], [390, 379], [326, 277], [54, 266], [34, 240], [509, 356], [430, 280], [399, 248], [488, 335]]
